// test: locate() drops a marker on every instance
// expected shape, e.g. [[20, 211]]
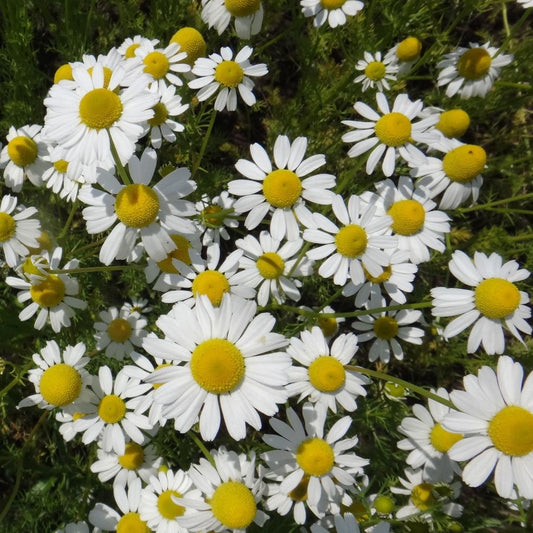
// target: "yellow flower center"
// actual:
[[443, 440], [100, 108], [49, 292], [157, 385], [332, 4], [351, 241], [132, 523], [242, 8], [211, 216], [137, 206], [29, 268], [119, 330], [64, 72], [496, 297], [328, 325], [22, 151], [229, 73], [422, 496], [61, 166], [299, 493], [45, 243], [408, 217], [181, 252], [453, 123], [315, 457], [160, 115], [190, 41], [393, 129], [409, 49], [233, 505], [385, 328], [212, 283], [107, 74], [464, 163], [217, 365], [394, 390], [474, 63], [156, 64], [130, 51], [270, 265], [77, 415], [384, 276], [167, 508], [375, 70], [326, 374], [133, 457], [511, 431], [111, 409], [60, 384], [7, 227], [282, 188], [384, 504]]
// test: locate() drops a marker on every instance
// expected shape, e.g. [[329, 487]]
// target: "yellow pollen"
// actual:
[[332, 4], [111, 409], [443, 440], [242, 8], [7, 227], [375, 70], [229, 73], [409, 49], [22, 151], [422, 497], [408, 217], [156, 64], [270, 265], [64, 72], [190, 41], [137, 206], [132, 523], [315, 457], [511, 431], [497, 298], [326, 374], [157, 385], [49, 292], [160, 115], [133, 456], [474, 63], [107, 74], [233, 505], [210, 216], [385, 327], [328, 326], [29, 268], [77, 415], [282, 188], [167, 508], [351, 241], [100, 108], [119, 330], [212, 283], [60, 384], [181, 252], [299, 493], [217, 365], [453, 123], [61, 166], [384, 276], [384, 504], [464, 163], [130, 51], [393, 129]]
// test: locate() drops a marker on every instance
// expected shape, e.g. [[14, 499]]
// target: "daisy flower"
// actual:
[[493, 302], [391, 134], [428, 442], [24, 156], [281, 192], [191, 42], [359, 244], [415, 222], [18, 231], [66, 418], [376, 72], [141, 210], [405, 54], [346, 523], [332, 11], [248, 16], [453, 123], [229, 366], [271, 268], [471, 71], [221, 71], [138, 306], [130, 44], [323, 377]]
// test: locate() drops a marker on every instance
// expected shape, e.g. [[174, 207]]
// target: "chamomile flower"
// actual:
[[391, 134], [428, 442], [405, 54], [230, 366], [130, 44], [138, 306], [281, 192], [493, 302], [471, 71], [24, 156], [248, 16], [495, 414], [191, 42], [141, 211], [358, 245], [332, 11], [453, 123], [376, 72], [222, 73]]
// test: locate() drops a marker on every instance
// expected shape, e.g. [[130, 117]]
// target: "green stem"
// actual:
[[511, 33], [120, 167], [505, 20], [301, 255], [496, 202], [202, 447], [204, 143], [94, 269], [70, 218], [523, 237], [505, 210], [514, 85], [16, 379]]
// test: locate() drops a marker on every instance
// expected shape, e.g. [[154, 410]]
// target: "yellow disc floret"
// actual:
[[282, 188], [160, 114], [107, 75], [233, 505], [453, 123], [384, 504], [332, 4], [132, 523], [384, 276], [130, 51], [22, 150], [328, 325], [217, 365], [464, 163], [156, 64], [7, 227], [393, 129], [375, 70], [270, 265], [45, 243], [111, 409], [351, 241], [242, 8], [61, 166], [167, 507], [497, 298], [315, 457], [229, 73], [408, 217], [474, 63], [326, 374], [422, 496], [64, 72], [137, 206], [409, 49], [211, 216], [511, 431], [181, 252], [191, 42], [133, 456], [60, 385], [100, 108], [299, 493], [443, 440], [385, 327], [212, 283], [119, 330], [49, 292]]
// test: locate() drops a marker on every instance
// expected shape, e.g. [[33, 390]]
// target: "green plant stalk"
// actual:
[[70, 218], [202, 447], [496, 202], [126, 180], [511, 32], [503, 83], [16, 379], [207, 135], [82, 270]]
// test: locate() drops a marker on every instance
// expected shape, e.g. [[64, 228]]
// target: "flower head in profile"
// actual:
[[334, 12], [248, 15]]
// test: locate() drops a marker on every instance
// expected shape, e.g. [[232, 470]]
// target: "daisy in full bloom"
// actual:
[[141, 210], [428, 442], [226, 364], [391, 134], [453, 123], [376, 71], [471, 71], [191, 42], [332, 11], [358, 245], [495, 414], [405, 54], [493, 301], [231, 491], [271, 268], [24, 156], [281, 192], [130, 44], [248, 15], [323, 377], [221, 71]]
